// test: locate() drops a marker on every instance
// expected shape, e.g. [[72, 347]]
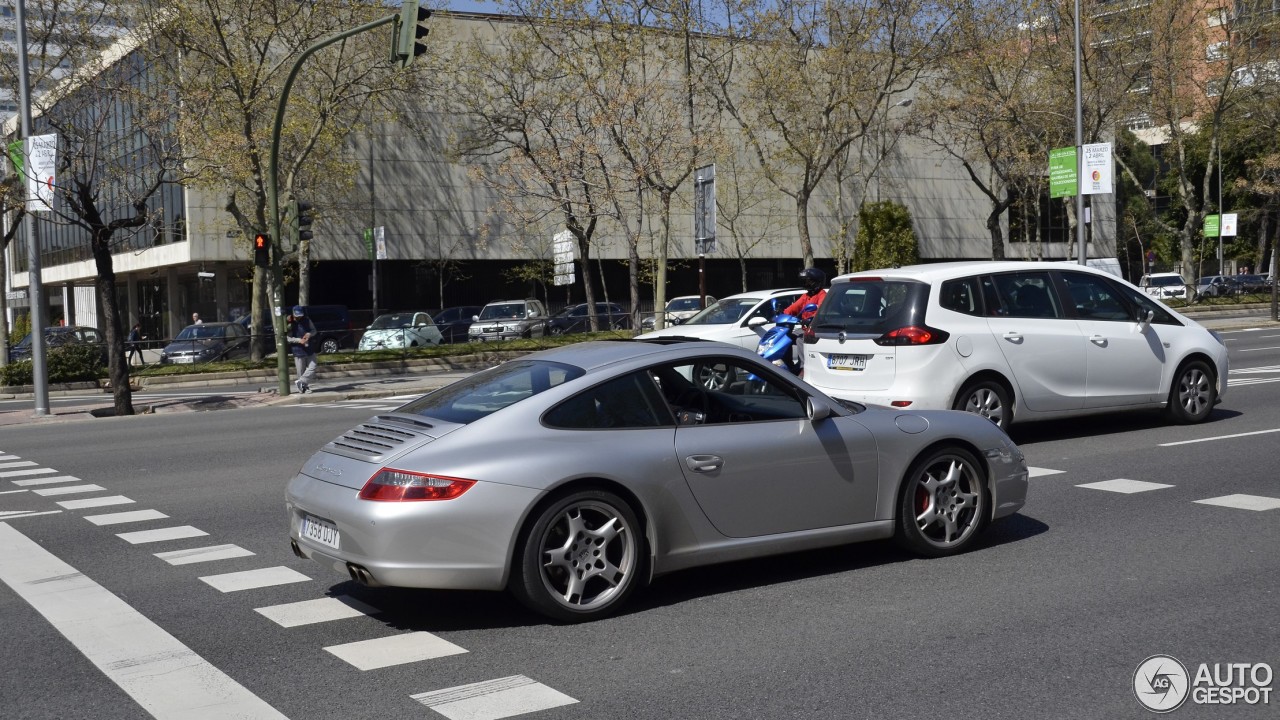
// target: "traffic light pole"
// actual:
[[273, 198]]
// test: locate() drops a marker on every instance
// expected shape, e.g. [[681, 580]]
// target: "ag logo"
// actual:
[[1161, 683]]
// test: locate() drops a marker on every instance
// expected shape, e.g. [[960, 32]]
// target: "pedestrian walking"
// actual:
[[135, 345], [303, 341], [195, 319]]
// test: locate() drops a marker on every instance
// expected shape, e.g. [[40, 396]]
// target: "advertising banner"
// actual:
[[1098, 169], [1062, 172]]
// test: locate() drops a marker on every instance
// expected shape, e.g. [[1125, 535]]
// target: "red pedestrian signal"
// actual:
[[262, 250]]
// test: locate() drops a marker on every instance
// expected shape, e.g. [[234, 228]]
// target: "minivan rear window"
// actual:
[[872, 306]]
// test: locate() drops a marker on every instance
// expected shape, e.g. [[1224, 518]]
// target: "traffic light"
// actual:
[[411, 32], [302, 221], [262, 250]]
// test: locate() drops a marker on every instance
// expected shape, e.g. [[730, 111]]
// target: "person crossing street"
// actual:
[[302, 341]]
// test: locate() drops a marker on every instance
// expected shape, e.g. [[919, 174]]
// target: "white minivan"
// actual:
[[1013, 341], [1163, 285]]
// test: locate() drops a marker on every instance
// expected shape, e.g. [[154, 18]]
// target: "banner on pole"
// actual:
[[1098, 169], [1228, 224], [562, 256], [41, 161], [1062, 172]]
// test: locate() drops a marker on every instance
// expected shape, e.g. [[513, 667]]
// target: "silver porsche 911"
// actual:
[[573, 476]]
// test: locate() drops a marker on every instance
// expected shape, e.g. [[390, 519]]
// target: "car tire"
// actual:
[[557, 330], [580, 558], [943, 504], [329, 345], [987, 398], [1193, 393]]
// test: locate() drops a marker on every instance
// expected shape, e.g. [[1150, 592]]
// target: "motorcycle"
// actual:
[[778, 345]]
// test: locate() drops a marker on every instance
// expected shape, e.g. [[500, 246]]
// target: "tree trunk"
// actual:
[[304, 272], [660, 260], [802, 224], [584, 250], [105, 284]]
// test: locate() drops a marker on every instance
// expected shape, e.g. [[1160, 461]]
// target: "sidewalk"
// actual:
[[361, 381]]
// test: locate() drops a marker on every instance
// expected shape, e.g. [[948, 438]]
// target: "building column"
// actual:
[[220, 292], [177, 315], [69, 304]]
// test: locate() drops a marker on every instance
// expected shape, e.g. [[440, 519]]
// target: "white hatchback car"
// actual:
[[1013, 341], [729, 320], [401, 330]]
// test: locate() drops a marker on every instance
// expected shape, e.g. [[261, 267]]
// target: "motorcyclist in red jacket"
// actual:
[[813, 281]]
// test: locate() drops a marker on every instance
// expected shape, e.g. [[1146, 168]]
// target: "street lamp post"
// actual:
[[1222, 259]]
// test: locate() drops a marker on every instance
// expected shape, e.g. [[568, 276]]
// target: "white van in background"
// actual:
[[1163, 285]]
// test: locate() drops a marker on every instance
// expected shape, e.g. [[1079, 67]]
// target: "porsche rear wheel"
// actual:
[[581, 557], [944, 503]]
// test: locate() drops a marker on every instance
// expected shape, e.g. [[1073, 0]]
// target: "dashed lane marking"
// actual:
[[170, 533], [1041, 472], [46, 481], [494, 699], [394, 650], [324, 609], [125, 517], [204, 554], [168, 679], [68, 490], [10, 492], [1128, 487], [1219, 437], [253, 579], [1243, 502], [103, 501], [15, 514]]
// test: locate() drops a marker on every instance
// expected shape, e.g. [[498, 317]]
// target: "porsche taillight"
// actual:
[[391, 485]]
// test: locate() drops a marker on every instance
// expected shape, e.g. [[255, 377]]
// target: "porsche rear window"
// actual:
[[489, 391]]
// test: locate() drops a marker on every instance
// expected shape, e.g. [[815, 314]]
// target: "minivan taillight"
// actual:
[[913, 335], [390, 485]]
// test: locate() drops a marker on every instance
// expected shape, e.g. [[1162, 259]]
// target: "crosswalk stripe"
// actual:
[[170, 533], [168, 679], [494, 699], [320, 610], [204, 554], [125, 517], [23, 463], [21, 473], [68, 490], [394, 650], [46, 481], [253, 579], [1243, 502], [9, 457], [21, 514], [1128, 487], [1041, 472], [103, 501]]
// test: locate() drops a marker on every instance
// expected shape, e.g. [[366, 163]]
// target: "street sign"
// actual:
[[1229, 224], [380, 242], [20, 294], [1062, 172], [1098, 169], [562, 256], [704, 210], [1211, 226]]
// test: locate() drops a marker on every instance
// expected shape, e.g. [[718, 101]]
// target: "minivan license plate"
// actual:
[[847, 362], [325, 533]]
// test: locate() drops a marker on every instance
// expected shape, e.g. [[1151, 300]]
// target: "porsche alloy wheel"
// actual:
[[944, 503], [581, 557]]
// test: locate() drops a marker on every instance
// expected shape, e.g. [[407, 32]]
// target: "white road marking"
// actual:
[[24, 463], [323, 609], [20, 473], [169, 533], [1273, 347], [46, 481], [165, 677], [204, 554], [9, 457], [1128, 487], [493, 699], [253, 579], [14, 515], [394, 650], [1251, 381], [1219, 437], [1243, 502], [1041, 472], [68, 490], [10, 492], [95, 502], [125, 517]]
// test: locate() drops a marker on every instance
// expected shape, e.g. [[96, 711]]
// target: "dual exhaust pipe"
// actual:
[[358, 573]]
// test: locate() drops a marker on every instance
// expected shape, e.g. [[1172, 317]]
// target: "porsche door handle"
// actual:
[[1098, 340], [703, 463]]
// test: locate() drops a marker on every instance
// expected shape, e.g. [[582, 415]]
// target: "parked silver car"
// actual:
[[509, 320], [573, 475]]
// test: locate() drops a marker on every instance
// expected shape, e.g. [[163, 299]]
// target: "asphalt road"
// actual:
[[1049, 618]]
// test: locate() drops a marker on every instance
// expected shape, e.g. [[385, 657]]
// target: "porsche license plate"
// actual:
[[847, 362], [321, 531]]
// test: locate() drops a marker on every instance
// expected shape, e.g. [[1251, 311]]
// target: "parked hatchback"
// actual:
[[509, 320], [61, 336], [400, 330], [1163, 285], [454, 321], [333, 324], [207, 342], [1013, 341], [729, 320], [1218, 286]]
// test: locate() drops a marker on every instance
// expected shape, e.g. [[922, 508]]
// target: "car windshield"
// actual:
[[392, 320], [729, 310], [1166, 280], [505, 311], [489, 391], [682, 304], [201, 332]]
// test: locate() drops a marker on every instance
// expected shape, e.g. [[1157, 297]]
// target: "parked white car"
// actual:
[[728, 320], [678, 310], [1013, 341], [401, 330], [1163, 285]]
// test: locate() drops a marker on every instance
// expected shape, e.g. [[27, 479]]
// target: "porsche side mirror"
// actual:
[[816, 409]]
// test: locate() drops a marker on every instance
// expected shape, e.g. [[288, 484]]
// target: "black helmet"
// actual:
[[812, 279]]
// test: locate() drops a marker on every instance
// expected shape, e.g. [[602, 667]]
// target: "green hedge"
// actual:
[[69, 363]]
